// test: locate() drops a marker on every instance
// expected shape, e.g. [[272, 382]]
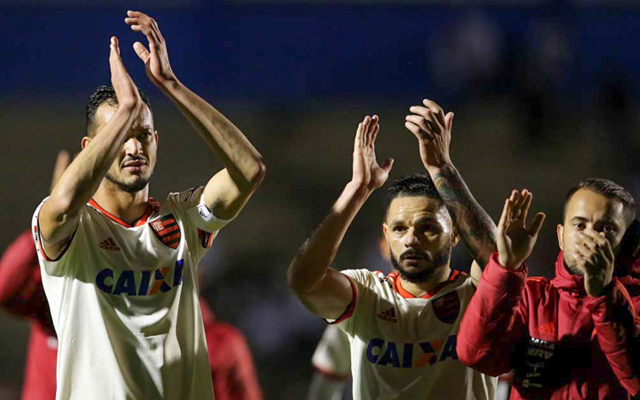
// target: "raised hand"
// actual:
[[156, 58], [432, 128], [515, 240], [596, 259], [366, 171], [126, 90]]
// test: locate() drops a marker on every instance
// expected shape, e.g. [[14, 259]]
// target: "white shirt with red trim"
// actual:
[[332, 357], [124, 302], [403, 347]]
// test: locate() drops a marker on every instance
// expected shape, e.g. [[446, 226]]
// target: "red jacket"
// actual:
[[232, 371], [22, 294], [561, 343]]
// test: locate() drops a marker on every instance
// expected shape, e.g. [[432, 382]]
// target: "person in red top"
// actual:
[[573, 336], [22, 295], [232, 370]]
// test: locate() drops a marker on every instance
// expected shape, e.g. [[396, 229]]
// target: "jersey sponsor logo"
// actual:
[[109, 244], [536, 368], [411, 355], [140, 283], [388, 315], [167, 230], [447, 307]]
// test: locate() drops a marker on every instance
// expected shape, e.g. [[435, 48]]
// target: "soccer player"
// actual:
[[332, 365], [118, 268], [402, 327], [332, 358], [573, 336]]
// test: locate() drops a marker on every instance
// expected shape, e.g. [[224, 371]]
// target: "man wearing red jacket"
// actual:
[[573, 336], [22, 295]]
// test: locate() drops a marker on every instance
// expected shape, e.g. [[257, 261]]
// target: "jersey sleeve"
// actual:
[[363, 301], [332, 357], [53, 266], [201, 224]]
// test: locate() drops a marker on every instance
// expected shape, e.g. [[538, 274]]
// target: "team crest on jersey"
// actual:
[[447, 307], [167, 230]]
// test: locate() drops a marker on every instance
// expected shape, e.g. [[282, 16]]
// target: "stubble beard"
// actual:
[[424, 275], [571, 266], [133, 187]]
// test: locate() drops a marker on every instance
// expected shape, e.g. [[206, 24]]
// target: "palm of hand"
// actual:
[[515, 240], [367, 169], [517, 244]]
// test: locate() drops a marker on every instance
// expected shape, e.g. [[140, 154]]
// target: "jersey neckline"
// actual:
[[404, 293], [151, 205]]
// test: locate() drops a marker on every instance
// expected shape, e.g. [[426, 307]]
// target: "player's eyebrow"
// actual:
[[397, 221], [143, 128], [425, 219], [579, 219], [608, 222]]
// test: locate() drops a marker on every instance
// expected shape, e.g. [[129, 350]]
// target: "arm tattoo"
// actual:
[[474, 224]]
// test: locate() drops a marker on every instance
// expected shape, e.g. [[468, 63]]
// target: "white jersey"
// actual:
[[403, 347], [124, 302], [332, 357]]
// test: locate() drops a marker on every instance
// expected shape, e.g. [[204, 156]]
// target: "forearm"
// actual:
[[612, 315], [243, 162], [84, 175], [474, 225], [310, 266], [493, 322]]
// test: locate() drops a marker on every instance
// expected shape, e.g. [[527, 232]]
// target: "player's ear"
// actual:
[[560, 232], [156, 136], [85, 141], [455, 237], [385, 229]]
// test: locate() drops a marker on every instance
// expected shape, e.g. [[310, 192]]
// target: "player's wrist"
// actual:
[[435, 167], [169, 85], [359, 187], [506, 263]]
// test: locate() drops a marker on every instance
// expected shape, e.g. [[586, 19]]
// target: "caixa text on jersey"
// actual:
[[140, 283]]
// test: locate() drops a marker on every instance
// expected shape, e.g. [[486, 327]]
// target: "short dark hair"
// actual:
[[104, 94], [412, 185], [608, 189]]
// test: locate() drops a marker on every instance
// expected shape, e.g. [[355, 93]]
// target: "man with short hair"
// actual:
[[573, 336], [402, 327], [119, 269]]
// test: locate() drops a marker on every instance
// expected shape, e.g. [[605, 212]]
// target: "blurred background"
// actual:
[[545, 94]]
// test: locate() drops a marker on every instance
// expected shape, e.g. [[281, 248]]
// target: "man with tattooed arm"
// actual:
[[402, 327]]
